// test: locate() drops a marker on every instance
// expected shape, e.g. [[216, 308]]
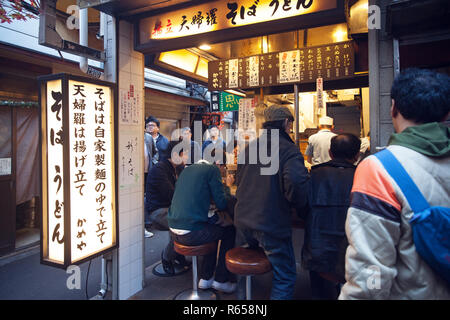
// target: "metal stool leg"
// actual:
[[195, 294], [194, 279], [248, 287]]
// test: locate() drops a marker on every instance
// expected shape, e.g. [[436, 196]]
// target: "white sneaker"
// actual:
[[148, 234], [205, 284], [227, 287]]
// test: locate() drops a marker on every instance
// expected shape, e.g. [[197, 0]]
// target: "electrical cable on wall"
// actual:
[[87, 278]]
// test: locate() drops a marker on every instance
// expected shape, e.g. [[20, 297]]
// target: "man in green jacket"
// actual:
[[196, 187]]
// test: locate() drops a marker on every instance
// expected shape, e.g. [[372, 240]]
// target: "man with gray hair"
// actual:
[[265, 199]]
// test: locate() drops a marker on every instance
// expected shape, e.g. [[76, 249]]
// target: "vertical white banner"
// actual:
[[233, 73], [319, 91]]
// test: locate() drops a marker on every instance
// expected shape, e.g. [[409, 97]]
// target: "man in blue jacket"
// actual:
[[152, 126]]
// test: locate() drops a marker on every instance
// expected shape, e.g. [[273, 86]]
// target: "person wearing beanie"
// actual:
[[265, 201], [319, 143]]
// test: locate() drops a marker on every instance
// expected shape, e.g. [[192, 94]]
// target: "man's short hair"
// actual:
[[421, 95], [345, 146], [213, 126], [152, 119], [185, 129]]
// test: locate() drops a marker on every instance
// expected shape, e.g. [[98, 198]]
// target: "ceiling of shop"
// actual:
[[280, 42]]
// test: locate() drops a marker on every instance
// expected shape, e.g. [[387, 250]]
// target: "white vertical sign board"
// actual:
[[319, 91], [91, 135], [55, 166], [233, 73], [254, 71], [247, 119], [289, 66]]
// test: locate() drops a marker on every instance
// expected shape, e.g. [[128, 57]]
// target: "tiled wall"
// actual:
[[131, 210]]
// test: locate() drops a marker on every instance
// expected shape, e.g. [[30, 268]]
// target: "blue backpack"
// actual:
[[430, 225]]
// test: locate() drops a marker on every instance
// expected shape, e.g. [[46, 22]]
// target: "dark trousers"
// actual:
[[280, 254], [323, 289], [211, 264], [159, 220]]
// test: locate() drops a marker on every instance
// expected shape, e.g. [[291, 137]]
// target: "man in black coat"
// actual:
[[267, 190], [159, 190], [325, 242]]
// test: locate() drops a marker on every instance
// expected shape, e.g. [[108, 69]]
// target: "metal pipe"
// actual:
[[248, 287], [194, 278], [83, 34], [396, 54], [296, 111], [103, 284]]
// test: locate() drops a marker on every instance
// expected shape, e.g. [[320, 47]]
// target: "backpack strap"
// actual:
[[412, 193]]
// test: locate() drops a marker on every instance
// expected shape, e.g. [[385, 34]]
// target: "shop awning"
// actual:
[[407, 17], [128, 10], [175, 98]]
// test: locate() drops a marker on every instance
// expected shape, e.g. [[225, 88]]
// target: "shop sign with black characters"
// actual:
[[78, 169], [224, 101], [218, 21], [218, 15], [330, 62]]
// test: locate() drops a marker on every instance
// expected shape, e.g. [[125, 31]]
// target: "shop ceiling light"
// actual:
[[205, 47]]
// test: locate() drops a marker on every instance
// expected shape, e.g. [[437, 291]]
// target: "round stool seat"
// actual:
[[199, 250], [244, 261]]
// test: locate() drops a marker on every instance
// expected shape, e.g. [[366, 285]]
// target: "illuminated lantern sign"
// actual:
[[216, 17], [79, 219]]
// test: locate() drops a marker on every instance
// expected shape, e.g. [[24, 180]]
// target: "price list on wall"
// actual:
[[330, 62]]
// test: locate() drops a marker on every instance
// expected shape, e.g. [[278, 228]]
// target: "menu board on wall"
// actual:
[[330, 62]]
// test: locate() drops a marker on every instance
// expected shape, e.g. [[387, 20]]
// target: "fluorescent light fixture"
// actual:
[[238, 93], [340, 35], [205, 47]]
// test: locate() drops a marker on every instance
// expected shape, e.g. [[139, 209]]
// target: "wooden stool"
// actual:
[[195, 251], [247, 262]]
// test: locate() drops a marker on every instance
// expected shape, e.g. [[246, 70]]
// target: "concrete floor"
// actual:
[[166, 288]]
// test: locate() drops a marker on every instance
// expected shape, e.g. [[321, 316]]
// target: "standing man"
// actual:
[[149, 153], [381, 259], [264, 201], [325, 243], [194, 151], [160, 142], [319, 143], [214, 139]]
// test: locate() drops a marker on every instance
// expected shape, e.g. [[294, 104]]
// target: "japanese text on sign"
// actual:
[[91, 163], [218, 15], [330, 62]]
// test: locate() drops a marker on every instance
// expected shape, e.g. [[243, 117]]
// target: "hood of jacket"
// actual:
[[431, 139]]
